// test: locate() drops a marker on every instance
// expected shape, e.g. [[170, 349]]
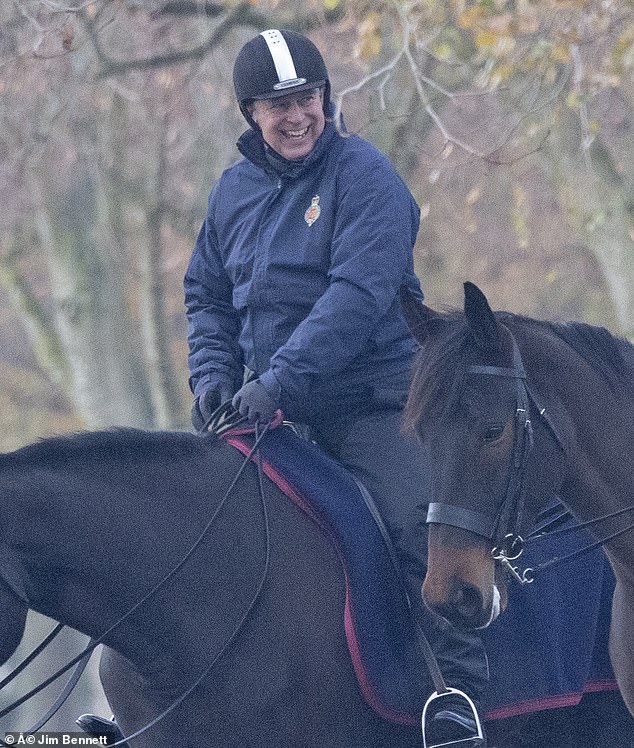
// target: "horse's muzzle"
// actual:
[[466, 608]]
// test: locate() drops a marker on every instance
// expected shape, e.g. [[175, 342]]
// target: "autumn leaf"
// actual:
[[369, 42], [485, 39], [471, 17], [561, 53], [575, 100], [501, 73], [443, 51]]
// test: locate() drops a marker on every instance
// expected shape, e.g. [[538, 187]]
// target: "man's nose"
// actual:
[[294, 110]]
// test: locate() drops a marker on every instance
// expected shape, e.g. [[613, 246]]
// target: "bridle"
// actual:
[[504, 529], [508, 521], [219, 423]]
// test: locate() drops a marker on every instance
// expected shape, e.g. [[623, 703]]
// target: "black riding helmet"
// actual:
[[276, 63]]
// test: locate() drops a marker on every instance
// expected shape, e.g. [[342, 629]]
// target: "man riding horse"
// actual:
[[295, 278]]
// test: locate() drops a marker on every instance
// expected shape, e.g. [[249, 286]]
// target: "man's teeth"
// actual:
[[297, 133]]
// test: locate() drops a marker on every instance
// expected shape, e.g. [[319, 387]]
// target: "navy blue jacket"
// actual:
[[297, 275]]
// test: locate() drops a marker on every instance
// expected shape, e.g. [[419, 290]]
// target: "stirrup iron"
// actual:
[[477, 739]]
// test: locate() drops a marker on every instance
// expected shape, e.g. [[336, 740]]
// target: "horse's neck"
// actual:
[[595, 424], [575, 393], [14, 574], [51, 558], [598, 431], [12, 620], [78, 599]]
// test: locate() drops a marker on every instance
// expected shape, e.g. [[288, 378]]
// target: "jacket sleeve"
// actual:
[[213, 322], [371, 256]]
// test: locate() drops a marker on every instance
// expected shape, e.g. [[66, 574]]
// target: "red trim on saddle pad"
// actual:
[[550, 702], [363, 677]]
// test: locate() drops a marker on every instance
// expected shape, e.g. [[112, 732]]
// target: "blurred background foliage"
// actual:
[[510, 121]]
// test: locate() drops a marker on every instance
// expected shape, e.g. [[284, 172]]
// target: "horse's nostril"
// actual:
[[462, 605], [467, 600]]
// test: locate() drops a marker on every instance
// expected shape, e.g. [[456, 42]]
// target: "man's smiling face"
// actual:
[[291, 124]]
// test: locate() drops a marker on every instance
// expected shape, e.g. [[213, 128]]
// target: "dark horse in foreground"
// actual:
[[513, 412], [90, 523]]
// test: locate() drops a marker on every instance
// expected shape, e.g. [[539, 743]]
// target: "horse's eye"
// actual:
[[493, 432]]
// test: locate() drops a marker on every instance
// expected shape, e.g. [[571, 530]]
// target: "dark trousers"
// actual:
[[371, 444]]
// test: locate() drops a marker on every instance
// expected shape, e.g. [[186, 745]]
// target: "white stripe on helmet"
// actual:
[[282, 59]]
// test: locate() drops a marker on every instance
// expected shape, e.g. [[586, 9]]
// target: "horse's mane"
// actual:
[[441, 366], [122, 443], [604, 352]]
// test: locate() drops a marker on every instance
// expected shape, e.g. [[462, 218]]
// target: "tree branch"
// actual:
[[190, 8], [242, 14], [45, 341]]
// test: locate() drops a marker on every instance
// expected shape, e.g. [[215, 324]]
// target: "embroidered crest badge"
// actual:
[[313, 212]]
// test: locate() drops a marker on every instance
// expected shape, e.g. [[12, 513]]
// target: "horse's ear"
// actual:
[[417, 315], [484, 326]]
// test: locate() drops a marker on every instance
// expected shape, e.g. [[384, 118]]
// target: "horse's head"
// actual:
[[470, 407]]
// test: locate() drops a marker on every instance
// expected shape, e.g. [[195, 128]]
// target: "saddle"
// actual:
[[378, 626]]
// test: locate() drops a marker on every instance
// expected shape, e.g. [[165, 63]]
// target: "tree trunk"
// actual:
[[597, 200], [91, 309]]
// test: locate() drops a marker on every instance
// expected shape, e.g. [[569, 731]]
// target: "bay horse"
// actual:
[[512, 412], [90, 523]]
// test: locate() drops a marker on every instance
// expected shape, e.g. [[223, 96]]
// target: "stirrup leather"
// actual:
[[477, 739]]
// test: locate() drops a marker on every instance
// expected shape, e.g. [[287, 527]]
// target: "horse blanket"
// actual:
[[548, 649]]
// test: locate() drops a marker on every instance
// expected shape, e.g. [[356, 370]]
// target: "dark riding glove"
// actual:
[[255, 401], [205, 404]]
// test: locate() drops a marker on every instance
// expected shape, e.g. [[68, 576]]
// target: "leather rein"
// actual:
[[218, 423]]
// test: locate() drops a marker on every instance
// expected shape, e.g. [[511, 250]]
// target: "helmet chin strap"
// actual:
[[249, 118]]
